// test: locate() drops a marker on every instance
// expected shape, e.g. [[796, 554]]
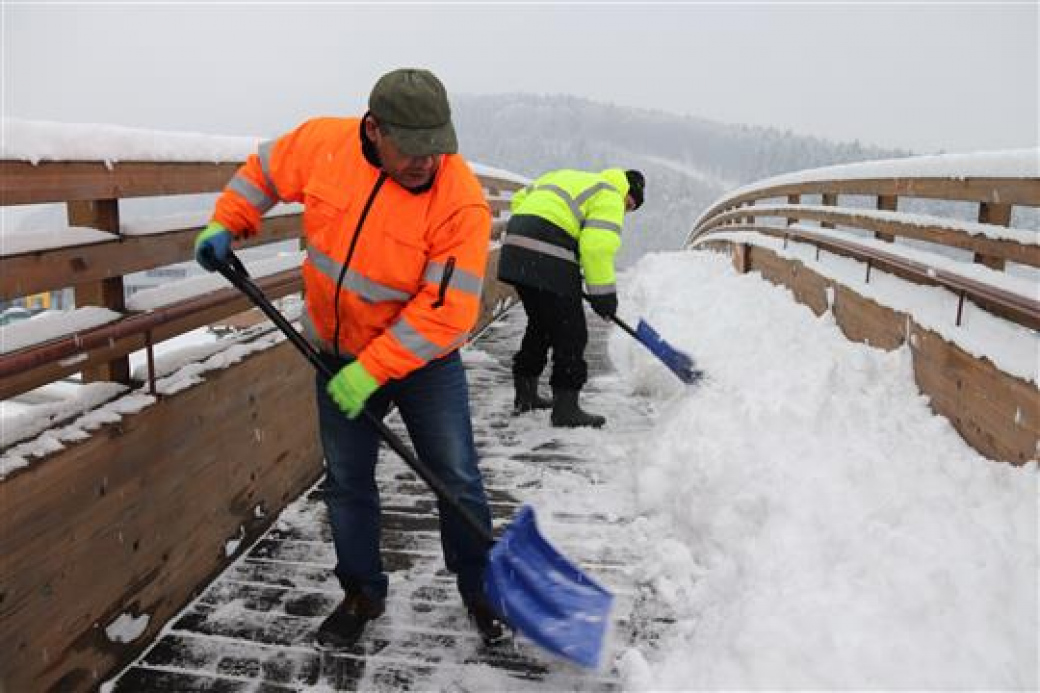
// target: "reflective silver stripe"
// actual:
[[370, 291], [310, 333], [566, 197], [254, 195], [575, 203], [264, 154], [323, 263], [601, 224], [600, 289], [592, 190], [540, 247], [461, 280], [410, 339]]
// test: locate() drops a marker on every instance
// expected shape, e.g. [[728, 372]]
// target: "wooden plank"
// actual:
[[741, 257], [55, 269], [1013, 191], [499, 206], [34, 366], [863, 320], [808, 287], [886, 203], [993, 213], [886, 229], [828, 200], [1013, 306], [495, 182], [22, 182], [153, 499], [793, 200], [996, 413]]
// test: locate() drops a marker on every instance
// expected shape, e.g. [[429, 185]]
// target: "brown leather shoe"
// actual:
[[344, 625]]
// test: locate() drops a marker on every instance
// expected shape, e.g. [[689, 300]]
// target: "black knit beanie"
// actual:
[[636, 186]]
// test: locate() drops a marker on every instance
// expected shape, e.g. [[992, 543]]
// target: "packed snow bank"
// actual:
[[810, 523]]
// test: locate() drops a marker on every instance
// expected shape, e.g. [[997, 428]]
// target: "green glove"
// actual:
[[212, 246], [351, 387]]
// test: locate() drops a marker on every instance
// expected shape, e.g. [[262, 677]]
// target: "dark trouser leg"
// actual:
[[570, 372], [434, 404], [351, 494], [534, 347], [568, 335]]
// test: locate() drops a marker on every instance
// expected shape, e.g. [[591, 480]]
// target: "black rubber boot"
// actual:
[[567, 414], [489, 624], [527, 398]]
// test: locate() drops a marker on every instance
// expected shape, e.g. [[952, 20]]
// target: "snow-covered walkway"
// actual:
[[251, 629]]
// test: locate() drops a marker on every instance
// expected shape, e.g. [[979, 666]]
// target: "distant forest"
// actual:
[[689, 162]]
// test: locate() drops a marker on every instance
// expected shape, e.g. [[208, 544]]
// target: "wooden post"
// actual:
[[793, 200], [829, 200], [993, 213], [886, 203], [740, 258], [108, 293]]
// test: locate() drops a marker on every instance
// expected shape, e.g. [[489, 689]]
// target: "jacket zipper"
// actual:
[[350, 255]]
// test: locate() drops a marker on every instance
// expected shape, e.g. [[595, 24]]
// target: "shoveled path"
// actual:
[[252, 629]]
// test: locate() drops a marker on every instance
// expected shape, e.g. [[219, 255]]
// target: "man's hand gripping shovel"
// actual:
[[533, 587]]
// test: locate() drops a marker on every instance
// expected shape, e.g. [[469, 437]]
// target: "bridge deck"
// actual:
[[252, 628]]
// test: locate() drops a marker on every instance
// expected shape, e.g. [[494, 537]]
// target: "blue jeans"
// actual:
[[434, 404]]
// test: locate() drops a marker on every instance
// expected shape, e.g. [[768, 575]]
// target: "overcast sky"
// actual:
[[928, 76]]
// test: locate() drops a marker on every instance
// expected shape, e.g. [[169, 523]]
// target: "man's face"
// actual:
[[407, 171]]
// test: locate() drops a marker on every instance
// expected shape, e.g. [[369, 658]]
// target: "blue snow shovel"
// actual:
[[679, 363], [532, 586]]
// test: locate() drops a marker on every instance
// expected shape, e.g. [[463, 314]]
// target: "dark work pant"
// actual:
[[557, 322], [434, 404]]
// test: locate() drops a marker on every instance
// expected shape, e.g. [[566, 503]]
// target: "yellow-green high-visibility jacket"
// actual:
[[566, 226]]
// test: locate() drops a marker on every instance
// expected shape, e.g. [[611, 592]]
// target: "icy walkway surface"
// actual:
[[252, 629]]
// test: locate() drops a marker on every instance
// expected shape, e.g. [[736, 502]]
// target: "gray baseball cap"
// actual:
[[412, 105]]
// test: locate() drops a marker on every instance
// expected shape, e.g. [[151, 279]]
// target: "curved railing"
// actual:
[[965, 223]]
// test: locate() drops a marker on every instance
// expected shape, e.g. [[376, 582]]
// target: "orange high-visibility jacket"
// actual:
[[411, 289]]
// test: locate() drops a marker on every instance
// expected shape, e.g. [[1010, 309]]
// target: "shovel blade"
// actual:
[[678, 362], [546, 597]]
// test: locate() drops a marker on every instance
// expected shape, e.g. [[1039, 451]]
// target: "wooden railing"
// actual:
[[91, 193], [854, 212], [128, 515]]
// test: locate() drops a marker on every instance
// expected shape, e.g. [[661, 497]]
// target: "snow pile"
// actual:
[[810, 523]]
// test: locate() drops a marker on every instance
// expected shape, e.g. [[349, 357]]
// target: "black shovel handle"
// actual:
[[235, 272]]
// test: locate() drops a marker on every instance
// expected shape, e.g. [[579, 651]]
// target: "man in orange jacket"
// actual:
[[397, 236]]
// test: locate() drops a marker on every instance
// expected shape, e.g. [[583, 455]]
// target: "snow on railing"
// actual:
[[984, 259]]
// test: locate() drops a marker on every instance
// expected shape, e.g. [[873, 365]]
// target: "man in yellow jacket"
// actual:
[[565, 228], [397, 233]]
